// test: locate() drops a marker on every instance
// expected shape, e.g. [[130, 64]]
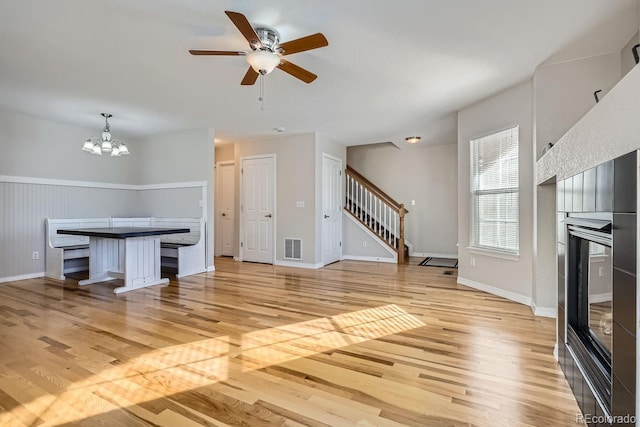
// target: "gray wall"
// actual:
[[607, 131], [506, 277], [627, 61], [224, 152], [325, 146], [355, 239], [34, 147], [175, 157], [184, 156], [295, 181], [47, 175], [426, 174], [564, 93]]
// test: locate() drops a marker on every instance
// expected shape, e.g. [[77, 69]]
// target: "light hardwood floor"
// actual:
[[354, 343]]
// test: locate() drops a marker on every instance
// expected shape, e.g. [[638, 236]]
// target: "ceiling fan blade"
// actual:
[[217, 52], [297, 72], [242, 23], [249, 78], [313, 41]]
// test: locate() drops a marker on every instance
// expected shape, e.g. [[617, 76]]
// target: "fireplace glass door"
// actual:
[[600, 297], [590, 305]]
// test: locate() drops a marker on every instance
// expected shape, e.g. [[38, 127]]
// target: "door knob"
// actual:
[[224, 214], [326, 216], [267, 216]]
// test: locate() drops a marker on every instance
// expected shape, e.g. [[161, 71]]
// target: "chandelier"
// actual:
[[104, 143]]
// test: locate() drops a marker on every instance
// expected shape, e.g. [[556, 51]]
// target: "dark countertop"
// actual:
[[123, 232]]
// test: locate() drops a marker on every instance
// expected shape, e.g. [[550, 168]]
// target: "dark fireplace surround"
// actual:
[[597, 212]]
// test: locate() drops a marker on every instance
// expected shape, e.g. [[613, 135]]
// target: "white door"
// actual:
[[226, 208], [331, 209], [258, 200]]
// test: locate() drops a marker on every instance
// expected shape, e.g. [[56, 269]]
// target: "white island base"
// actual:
[[136, 260]]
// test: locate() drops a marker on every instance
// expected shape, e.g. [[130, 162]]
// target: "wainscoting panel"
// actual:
[[24, 206]]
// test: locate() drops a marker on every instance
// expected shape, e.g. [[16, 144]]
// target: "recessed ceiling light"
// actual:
[[412, 139]]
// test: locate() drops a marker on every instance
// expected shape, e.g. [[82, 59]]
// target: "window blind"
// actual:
[[494, 192]]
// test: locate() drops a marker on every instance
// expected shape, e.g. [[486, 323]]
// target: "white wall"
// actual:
[[509, 278], [295, 181], [564, 93], [424, 173]]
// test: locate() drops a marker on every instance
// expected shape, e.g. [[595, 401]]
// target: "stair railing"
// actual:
[[376, 210]]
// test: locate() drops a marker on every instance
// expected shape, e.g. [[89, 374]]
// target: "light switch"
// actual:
[[300, 204]]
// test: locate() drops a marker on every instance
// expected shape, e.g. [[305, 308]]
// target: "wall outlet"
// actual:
[[364, 243], [473, 262], [413, 203], [35, 255]]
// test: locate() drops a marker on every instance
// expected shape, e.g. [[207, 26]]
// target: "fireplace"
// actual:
[[597, 289], [589, 300]]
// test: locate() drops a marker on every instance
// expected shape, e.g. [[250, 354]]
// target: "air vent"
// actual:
[[292, 248]]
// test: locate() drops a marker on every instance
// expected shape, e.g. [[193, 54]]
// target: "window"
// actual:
[[494, 192]]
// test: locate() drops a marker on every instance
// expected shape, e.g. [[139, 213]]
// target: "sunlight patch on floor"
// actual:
[[284, 343], [171, 370]]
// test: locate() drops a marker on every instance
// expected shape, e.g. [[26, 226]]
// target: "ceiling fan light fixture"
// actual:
[[413, 139], [263, 61]]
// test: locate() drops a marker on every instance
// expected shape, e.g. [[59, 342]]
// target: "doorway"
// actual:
[[257, 209], [331, 209], [225, 220]]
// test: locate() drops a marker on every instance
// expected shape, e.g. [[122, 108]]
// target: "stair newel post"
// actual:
[[401, 212]]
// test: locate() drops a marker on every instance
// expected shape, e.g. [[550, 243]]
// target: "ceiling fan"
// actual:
[[267, 51]]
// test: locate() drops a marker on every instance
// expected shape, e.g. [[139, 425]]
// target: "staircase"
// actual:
[[374, 209]]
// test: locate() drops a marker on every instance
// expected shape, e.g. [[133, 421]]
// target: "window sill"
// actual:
[[494, 254]]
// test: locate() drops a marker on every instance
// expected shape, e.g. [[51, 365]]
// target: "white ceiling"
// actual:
[[392, 68]]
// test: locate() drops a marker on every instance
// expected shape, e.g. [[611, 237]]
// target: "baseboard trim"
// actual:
[[298, 264], [368, 258], [543, 311], [522, 299], [21, 277]]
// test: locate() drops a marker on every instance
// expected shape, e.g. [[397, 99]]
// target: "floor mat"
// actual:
[[439, 262]]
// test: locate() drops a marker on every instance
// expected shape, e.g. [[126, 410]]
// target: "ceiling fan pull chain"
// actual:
[[261, 99]]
